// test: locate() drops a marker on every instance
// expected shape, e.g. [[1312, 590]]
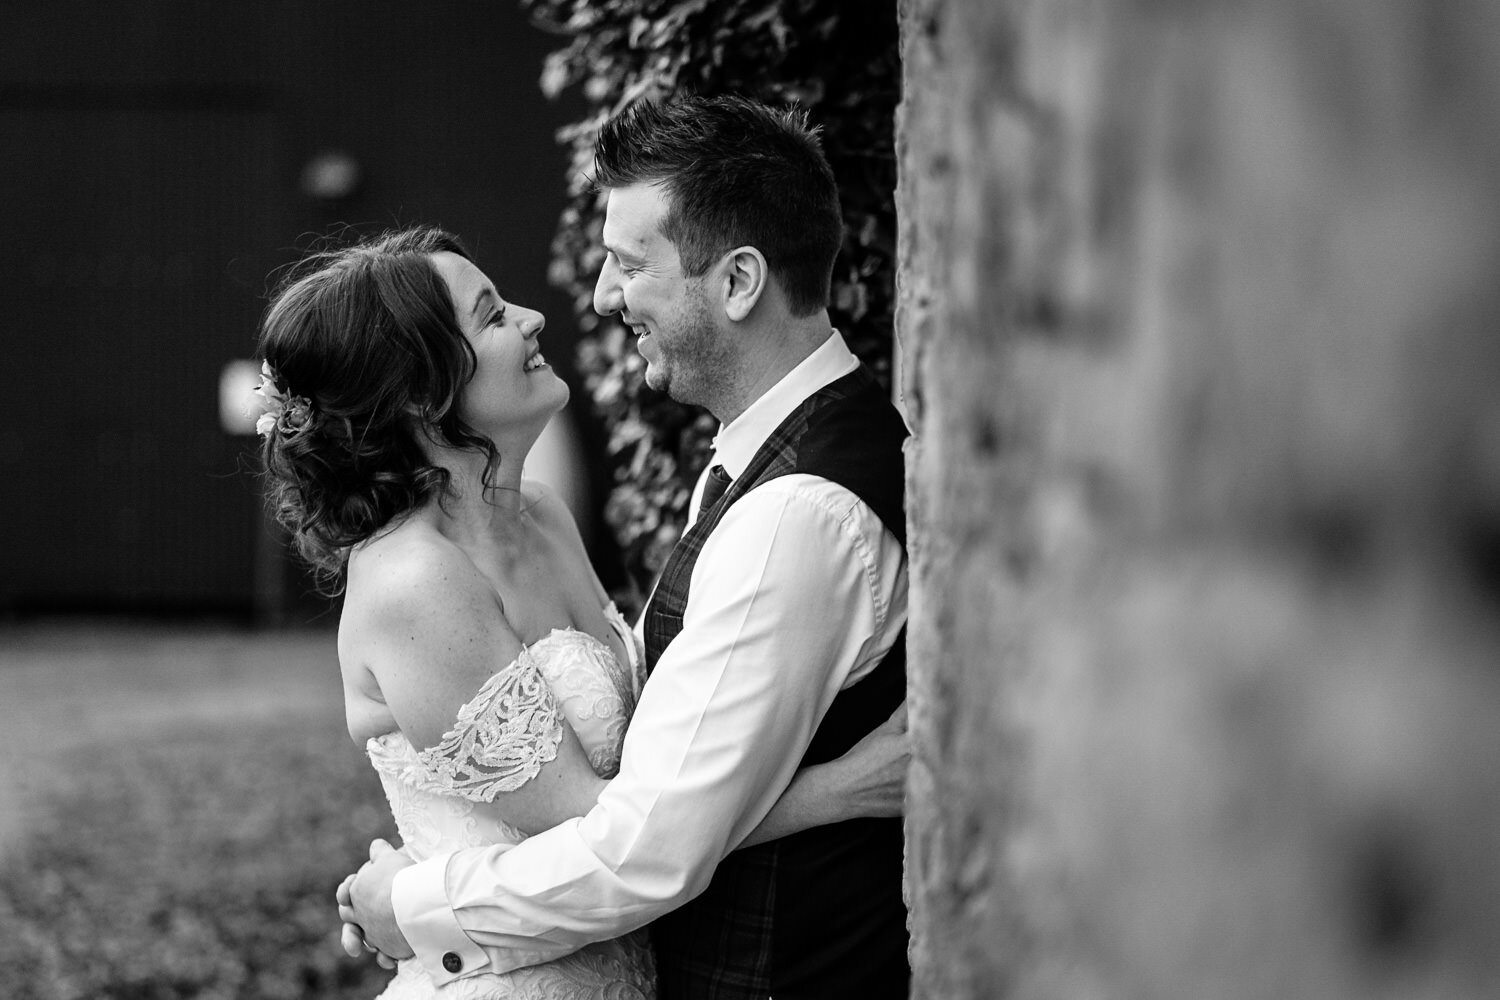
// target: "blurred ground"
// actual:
[[177, 805], [67, 687]]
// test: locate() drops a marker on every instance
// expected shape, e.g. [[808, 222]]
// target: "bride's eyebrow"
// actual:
[[484, 293]]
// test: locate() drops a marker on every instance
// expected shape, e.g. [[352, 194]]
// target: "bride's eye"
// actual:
[[498, 319]]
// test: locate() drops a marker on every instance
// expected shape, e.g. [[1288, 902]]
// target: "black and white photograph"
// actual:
[[750, 500]]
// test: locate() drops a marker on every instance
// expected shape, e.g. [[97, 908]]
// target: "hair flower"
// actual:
[[288, 414]]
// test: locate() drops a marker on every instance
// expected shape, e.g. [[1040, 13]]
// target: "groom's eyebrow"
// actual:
[[621, 254], [612, 247]]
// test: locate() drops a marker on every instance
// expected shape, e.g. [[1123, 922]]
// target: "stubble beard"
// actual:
[[700, 368]]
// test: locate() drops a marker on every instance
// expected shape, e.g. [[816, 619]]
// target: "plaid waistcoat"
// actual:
[[817, 914]]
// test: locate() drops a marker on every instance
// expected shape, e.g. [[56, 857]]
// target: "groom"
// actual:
[[773, 637]]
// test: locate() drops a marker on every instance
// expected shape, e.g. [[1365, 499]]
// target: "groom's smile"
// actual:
[[642, 281]]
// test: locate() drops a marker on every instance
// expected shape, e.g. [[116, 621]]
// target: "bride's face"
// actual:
[[512, 383]]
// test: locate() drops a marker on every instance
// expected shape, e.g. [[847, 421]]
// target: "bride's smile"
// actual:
[[512, 386]]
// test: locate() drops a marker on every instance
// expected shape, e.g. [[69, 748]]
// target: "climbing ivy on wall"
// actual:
[[839, 59]]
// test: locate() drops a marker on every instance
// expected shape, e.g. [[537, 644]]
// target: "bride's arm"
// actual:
[[430, 631], [868, 781]]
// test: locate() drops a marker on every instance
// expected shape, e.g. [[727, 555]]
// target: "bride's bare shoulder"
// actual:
[[422, 626], [412, 571]]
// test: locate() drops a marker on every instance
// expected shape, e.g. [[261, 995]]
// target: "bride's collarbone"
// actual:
[[533, 614], [538, 598], [535, 580]]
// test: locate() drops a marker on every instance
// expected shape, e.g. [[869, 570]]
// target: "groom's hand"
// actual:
[[370, 902]]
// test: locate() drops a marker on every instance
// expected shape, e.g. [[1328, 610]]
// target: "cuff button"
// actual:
[[452, 962]]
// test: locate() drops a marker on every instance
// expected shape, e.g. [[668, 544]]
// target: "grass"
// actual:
[[201, 864]]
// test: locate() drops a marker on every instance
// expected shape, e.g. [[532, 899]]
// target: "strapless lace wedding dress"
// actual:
[[501, 739]]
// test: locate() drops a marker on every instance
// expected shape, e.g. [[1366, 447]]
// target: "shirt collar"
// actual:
[[739, 440]]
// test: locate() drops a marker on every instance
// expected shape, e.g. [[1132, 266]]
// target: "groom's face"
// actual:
[[670, 314]]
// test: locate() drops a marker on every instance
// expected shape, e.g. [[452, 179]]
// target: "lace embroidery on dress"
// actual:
[[512, 727], [630, 675], [501, 739]]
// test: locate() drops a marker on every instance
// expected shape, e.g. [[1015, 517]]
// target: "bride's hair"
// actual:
[[367, 334]]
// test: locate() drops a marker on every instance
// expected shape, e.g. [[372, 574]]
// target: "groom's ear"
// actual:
[[745, 279]]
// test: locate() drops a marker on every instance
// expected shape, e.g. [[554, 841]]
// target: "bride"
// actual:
[[485, 672]]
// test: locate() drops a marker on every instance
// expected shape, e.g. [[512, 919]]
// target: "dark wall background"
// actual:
[[150, 157]]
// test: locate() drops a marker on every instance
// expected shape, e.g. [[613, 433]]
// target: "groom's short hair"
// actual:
[[736, 173]]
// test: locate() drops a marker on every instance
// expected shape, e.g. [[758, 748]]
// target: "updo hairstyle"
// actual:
[[368, 335]]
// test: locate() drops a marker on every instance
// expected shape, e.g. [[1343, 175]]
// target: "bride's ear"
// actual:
[[745, 278]]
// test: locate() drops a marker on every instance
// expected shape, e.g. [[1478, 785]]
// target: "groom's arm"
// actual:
[[795, 593]]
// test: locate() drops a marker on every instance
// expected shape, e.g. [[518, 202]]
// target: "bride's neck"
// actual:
[[478, 499]]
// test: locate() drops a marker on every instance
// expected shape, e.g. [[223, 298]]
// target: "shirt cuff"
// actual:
[[419, 898]]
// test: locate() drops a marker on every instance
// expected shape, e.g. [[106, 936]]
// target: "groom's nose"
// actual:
[[608, 296]]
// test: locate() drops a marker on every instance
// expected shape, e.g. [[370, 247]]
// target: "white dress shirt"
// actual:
[[799, 592]]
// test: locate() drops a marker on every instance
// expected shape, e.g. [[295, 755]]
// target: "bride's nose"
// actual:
[[531, 324]]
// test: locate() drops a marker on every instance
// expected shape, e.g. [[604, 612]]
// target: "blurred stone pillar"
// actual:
[[1200, 306]]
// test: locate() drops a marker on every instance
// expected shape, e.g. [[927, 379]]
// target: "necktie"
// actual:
[[713, 488]]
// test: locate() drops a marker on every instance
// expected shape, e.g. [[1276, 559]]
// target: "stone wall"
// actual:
[[1200, 324]]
